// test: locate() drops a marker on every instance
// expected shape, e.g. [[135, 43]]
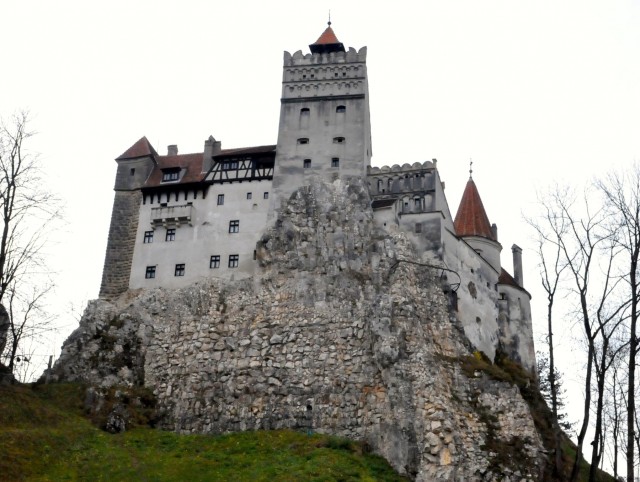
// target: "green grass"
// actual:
[[44, 436]]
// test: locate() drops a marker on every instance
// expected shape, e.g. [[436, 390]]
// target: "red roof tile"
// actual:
[[327, 37], [191, 162], [239, 151], [471, 218], [141, 148], [506, 279]]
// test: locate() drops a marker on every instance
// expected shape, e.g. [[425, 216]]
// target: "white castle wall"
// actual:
[[207, 235]]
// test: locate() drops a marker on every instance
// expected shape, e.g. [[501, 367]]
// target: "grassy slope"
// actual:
[[44, 436]]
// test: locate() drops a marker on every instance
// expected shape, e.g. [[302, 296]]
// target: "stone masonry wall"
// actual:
[[120, 244], [336, 334]]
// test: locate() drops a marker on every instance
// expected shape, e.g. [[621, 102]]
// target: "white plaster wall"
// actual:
[[208, 235], [482, 306], [516, 325]]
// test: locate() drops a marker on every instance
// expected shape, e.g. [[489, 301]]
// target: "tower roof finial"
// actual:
[[329, 22], [470, 169]]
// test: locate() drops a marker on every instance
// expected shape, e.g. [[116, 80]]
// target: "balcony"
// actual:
[[171, 215]]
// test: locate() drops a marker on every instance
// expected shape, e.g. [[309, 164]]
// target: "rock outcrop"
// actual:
[[344, 331]]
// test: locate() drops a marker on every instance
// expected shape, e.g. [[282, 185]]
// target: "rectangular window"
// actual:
[[335, 162], [220, 199], [306, 163], [148, 237], [214, 263], [418, 227], [229, 165], [171, 235], [150, 272], [234, 259], [170, 175], [234, 226], [179, 270], [266, 195], [418, 202], [249, 195]]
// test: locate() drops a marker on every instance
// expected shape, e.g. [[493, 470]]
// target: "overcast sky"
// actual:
[[532, 91]]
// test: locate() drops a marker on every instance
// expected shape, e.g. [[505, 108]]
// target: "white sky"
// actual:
[[533, 91]]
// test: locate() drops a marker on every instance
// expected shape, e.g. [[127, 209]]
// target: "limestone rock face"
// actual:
[[338, 334]]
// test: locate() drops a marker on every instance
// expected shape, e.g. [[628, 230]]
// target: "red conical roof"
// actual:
[[471, 218], [141, 148], [327, 42]]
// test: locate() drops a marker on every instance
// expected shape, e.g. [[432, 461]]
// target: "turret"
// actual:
[[472, 224]]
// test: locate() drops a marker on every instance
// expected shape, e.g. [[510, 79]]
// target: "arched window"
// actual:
[[341, 109]]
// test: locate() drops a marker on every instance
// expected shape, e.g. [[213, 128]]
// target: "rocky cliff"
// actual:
[[344, 330]]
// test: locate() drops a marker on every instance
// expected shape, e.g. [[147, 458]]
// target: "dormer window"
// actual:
[[172, 174], [230, 165]]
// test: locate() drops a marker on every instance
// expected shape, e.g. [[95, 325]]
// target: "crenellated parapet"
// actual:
[[300, 59], [416, 182]]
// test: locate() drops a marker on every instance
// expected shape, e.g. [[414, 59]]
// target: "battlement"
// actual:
[[350, 56]]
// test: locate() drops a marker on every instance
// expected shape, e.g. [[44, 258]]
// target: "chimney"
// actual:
[[211, 148], [494, 232], [172, 150], [517, 264]]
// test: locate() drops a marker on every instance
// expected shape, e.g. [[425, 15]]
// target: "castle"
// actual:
[[179, 218]]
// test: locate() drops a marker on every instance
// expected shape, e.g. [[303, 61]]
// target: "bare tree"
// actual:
[[551, 268], [27, 211], [622, 192]]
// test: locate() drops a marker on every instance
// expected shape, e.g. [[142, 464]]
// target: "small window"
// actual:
[[171, 235], [341, 109], [418, 202], [229, 165], [170, 175], [265, 195], [214, 262], [150, 272], [338, 140], [234, 259], [304, 111], [303, 140], [249, 195], [179, 270], [132, 171], [418, 227], [335, 162], [306, 163], [148, 237], [234, 226], [255, 254], [220, 199]]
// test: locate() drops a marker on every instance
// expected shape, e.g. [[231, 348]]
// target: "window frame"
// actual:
[[234, 260], [220, 201], [214, 261], [171, 174], [234, 226], [180, 269], [306, 164], [335, 162], [170, 235], [150, 272], [148, 237]]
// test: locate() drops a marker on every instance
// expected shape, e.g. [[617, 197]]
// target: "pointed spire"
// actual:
[[141, 148], [327, 42], [471, 218]]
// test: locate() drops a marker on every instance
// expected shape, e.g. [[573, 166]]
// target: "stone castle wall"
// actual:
[[120, 244], [336, 334]]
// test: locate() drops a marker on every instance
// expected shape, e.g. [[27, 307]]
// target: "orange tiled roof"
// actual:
[[327, 37], [471, 218], [141, 148]]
